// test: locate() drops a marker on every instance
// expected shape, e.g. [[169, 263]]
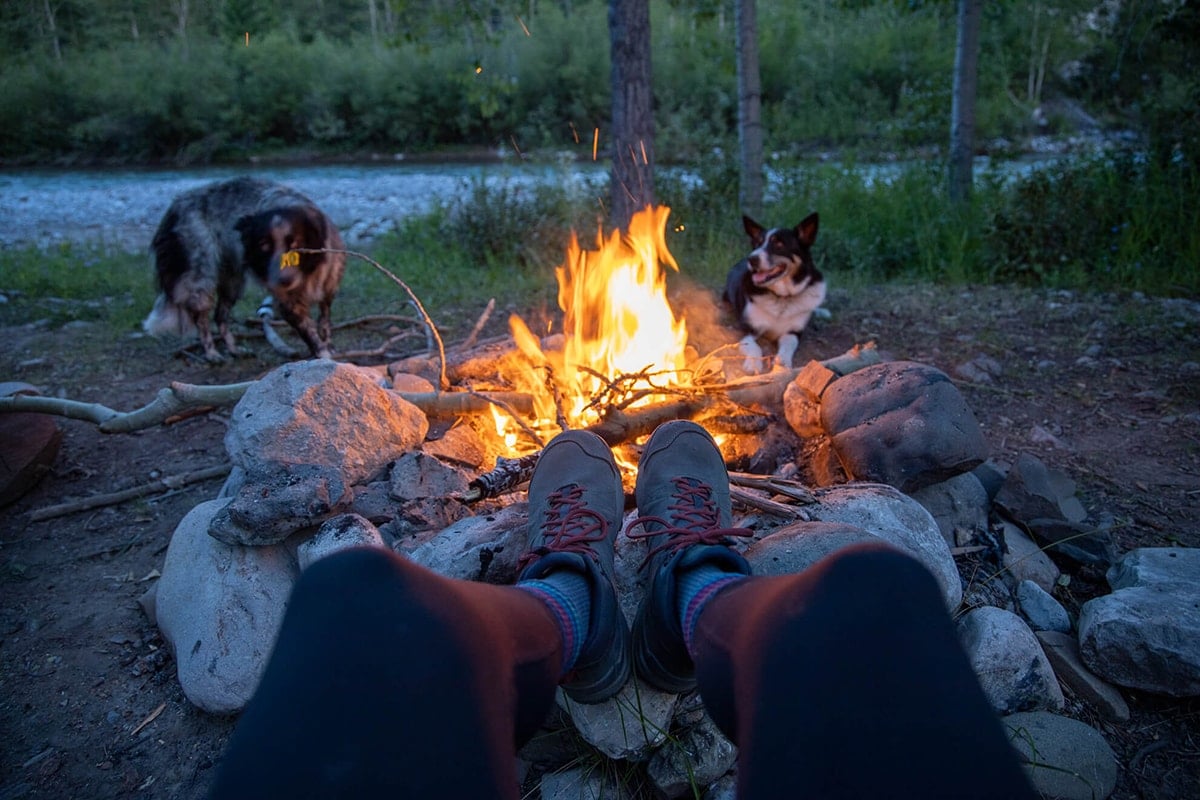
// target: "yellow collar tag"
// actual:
[[289, 259]]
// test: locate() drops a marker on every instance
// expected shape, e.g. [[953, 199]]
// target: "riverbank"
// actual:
[[120, 208]]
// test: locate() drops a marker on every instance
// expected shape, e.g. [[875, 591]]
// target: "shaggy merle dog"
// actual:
[[212, 236]]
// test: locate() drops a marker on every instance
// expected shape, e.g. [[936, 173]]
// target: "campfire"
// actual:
[[622, 345]]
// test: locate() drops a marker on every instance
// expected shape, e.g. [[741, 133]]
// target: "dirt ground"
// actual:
[[1105, 388]]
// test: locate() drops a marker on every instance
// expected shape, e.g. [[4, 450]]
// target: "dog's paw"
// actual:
[[787, 351], [752, 356]]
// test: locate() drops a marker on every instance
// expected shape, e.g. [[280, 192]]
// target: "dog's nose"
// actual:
[[284, 277]]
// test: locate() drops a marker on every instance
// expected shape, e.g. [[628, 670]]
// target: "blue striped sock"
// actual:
[[694, 588], [569, 598]]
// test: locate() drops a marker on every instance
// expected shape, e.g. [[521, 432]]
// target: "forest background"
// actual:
[[1111, 87]]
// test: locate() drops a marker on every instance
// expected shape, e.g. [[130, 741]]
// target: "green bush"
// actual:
[[1117, 222], [872, 76]]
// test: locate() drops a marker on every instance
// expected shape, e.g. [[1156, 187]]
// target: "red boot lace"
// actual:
[[694, 520], [569, 527]]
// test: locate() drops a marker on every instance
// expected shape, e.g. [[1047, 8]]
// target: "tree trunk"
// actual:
[[962, 112], [632, 110], [180, 7], [52, 28], [373, 15], [750, 132]]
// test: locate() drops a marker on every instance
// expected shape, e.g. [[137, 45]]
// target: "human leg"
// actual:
[[846, 680], [390, 680]]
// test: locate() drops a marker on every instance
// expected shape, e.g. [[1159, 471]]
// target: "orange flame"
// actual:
[[617, 323]]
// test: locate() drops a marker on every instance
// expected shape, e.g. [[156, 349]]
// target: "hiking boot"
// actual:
[[683, 501], [575, 508]]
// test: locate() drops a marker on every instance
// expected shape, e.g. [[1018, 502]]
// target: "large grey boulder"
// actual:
[[1009, 661], [1066, 758], [901, 423], [219, 608], [1146, 634], [887, 513], [796, 547], [304, 435]]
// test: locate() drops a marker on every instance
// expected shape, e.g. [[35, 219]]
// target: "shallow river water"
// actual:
[[121, 208]]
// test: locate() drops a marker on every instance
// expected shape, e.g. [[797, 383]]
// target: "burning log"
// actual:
[[620, 426], [507, 475]]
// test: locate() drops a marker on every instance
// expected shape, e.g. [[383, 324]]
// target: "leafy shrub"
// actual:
[[1118, 221]]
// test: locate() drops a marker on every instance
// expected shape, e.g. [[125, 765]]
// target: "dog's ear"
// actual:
[[314, 222], [753, 229], [806, 231]]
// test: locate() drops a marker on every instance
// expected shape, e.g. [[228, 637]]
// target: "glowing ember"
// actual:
[[619, 329]]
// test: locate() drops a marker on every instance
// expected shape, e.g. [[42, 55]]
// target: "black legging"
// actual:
[[387, 680]]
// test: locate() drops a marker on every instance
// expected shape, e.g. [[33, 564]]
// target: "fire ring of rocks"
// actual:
[[328, 456]]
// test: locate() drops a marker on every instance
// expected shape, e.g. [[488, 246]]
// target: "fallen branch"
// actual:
[[153, 716], [479, 323], [375, 352], [176, 400], [791, 489], [369, 318], [767, 389], [166, 404], [767, 506], [112, 498]]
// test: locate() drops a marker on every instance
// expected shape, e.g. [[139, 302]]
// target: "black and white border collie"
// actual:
[[211, 237], [774, 291]]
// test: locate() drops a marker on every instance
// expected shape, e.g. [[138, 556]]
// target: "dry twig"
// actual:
[[765, 505], [112, 498], [416, 301]]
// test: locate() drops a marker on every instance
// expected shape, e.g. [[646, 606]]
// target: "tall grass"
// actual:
[[1113, 222], [69, 284]]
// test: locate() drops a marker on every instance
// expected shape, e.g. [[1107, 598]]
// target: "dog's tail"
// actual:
[[166, 317]]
